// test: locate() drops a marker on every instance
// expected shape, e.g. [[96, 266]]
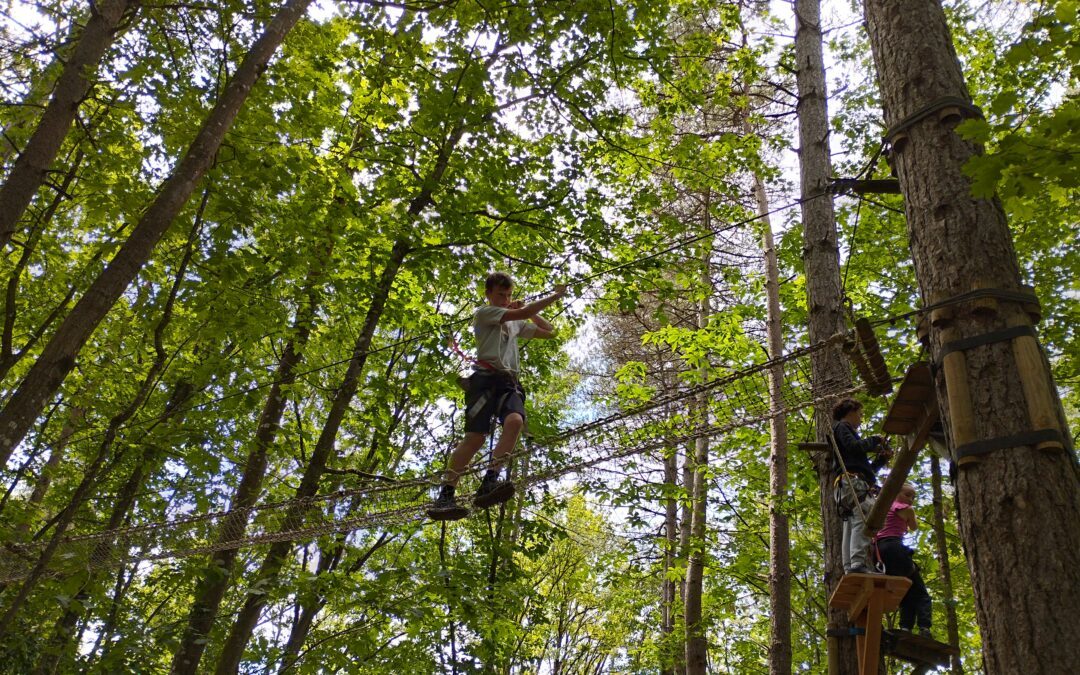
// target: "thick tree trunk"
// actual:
[[779, 539], [74, 83], [821, 259], [1020, 504], [216, 579], [58, 356], [233, 650], [941, 550]]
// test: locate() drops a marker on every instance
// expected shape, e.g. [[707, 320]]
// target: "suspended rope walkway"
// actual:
[[736, 399]]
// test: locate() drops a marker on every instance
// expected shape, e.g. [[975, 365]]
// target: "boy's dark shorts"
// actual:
[[486, 391]]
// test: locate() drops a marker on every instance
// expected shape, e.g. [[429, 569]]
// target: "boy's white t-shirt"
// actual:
[[496, 342]]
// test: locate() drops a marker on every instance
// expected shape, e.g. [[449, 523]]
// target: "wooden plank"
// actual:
[[915, 649], [909, 405], [851, 587], [905, 459], [872, 647]]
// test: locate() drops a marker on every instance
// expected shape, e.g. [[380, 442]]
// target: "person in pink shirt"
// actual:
[[916, 607]]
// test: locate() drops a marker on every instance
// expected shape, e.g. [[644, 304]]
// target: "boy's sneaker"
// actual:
[[446, 507], [924, 631], [493, 491], [862, 569]]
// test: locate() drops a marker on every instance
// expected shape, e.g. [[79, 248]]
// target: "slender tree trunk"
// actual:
[[669, 660], [941, 549], [56, 455], [312, 603], [217, 577], [821, 259], [1020, 504], [75, 81], [58, 356], [779, 539], [60, 643], [92, 471], [233, 650], [8, 356], [697, 643]]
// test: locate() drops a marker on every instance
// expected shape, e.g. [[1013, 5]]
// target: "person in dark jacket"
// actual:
[[856, 481]]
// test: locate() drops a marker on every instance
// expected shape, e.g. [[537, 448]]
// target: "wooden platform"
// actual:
[[914, 410], [924, 653], [866, 598]]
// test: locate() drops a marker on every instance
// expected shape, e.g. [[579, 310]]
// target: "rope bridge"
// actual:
[[736, 399]]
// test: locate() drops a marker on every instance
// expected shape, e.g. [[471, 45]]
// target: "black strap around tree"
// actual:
[[1028, 438], [929, 109], [965, 344]]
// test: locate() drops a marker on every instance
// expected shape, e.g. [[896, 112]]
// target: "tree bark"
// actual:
[[941, 549], [1019, 505], [58, 356], [74, 83], [779, 533], [8, 356], [56, 455], [821, 259]]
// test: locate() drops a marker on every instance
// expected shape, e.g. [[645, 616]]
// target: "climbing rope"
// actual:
[[742, 401]]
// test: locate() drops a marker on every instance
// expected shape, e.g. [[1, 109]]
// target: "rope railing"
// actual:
[[728, 402]]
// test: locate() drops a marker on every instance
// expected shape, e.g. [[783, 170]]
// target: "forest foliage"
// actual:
[[293, 332]]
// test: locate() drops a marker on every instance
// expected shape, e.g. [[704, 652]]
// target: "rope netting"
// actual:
[[736, 399]]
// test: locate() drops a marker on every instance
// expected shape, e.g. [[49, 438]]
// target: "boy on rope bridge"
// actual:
[[855, 486], [494, 392], [916, 607]]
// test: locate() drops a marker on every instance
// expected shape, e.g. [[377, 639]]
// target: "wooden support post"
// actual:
[[905, 459], [1037, 388], [866, 598], [961, 414]]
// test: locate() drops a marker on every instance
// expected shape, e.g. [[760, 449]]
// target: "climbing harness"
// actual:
[[856, 493]]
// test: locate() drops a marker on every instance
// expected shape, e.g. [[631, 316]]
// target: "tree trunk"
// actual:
[[669, 660], [1020, 504], [91, 472], [697, 642], [8, 356], [56, 455], [74, 83], [58, 356], [217, 577], [312, 603], [233, 650], [821, 259], [779, 539], [941, 549]]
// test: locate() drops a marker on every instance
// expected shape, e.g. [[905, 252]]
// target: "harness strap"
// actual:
[[850, 484]]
